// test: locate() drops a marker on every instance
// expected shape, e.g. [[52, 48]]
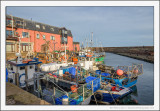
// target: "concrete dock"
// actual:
[[18, 96]]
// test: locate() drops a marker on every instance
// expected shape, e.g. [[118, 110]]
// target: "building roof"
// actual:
[[75, 42], [31, 25]]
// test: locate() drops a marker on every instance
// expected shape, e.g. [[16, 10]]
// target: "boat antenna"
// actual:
[[91, 39]]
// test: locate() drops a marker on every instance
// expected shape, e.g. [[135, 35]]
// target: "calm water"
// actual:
[[144, 89]]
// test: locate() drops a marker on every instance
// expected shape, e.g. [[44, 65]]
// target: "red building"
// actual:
[[36, 36]]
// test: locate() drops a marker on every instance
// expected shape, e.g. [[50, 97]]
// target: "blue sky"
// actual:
[[111, 26]]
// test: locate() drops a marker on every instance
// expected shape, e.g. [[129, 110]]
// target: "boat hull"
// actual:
[[125, 82], [106, 97]]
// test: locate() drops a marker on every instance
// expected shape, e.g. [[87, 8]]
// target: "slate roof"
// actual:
[[31, 25], [75, 42]]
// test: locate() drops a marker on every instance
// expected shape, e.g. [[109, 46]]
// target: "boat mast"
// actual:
[[91, 39]]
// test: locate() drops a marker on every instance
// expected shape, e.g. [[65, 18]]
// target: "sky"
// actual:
[[111, 26]]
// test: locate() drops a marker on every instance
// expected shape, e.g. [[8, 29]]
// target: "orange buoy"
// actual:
[[75, 60], [120, 72], [73, 88], [135, 71], [88, 55]]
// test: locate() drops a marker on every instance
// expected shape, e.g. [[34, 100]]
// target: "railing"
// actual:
[[84, 92]]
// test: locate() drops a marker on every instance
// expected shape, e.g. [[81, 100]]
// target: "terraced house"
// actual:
[[36, 37]]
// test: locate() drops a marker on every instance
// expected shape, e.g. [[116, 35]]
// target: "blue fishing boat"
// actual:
[[110, 93], [125, 76]]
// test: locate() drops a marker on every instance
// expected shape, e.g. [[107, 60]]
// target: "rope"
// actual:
[[57, 85], [95, 99]]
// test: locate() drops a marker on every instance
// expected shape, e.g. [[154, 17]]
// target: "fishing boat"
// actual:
[[21, 71], [66, 86], [110, 93], [125, 76]]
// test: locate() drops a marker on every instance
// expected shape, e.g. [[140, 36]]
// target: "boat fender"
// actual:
[[21, 83], [98, 96]]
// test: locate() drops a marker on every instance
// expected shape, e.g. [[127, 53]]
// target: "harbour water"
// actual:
[[144, 90]]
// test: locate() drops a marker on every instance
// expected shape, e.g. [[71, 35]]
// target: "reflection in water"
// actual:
[[134, 89]]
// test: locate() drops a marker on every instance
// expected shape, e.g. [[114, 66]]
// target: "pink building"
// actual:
[[35, 36]]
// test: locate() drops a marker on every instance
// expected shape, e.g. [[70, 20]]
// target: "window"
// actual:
[[22, 67], [38, 26], [64, 40], [25, 34], [21, 23], [43, 27], [9, 22], [44, 37], [31, 67], [38, 36], [9, 33], [11, 67], [18, 22], [65, 32], [24, 47], [52, 38], [52, 29], [10, 47]]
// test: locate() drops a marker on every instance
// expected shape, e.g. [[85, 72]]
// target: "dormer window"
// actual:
[[18, 22], [52, 29], [43, 27], [37, 26]]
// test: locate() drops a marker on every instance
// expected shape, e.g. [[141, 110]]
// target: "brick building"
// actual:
[[36, 36]]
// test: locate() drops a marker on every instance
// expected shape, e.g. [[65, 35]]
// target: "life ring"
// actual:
[[21, 83], [98, 96]]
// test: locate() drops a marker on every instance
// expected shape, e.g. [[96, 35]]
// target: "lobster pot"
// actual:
[[60, 72], [45, 67], [65, 100], [95, 68]]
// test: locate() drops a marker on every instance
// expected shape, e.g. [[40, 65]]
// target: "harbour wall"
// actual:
[[145, 53]]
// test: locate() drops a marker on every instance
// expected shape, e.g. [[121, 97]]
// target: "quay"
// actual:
[[17, 96]]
